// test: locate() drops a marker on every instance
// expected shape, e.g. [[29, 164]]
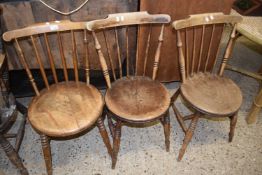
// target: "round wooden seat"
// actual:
[[65, 109], [212, 94], [137, 99]]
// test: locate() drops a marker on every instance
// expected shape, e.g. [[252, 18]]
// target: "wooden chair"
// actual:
[[204, 92], [132, 99], [66, 108], [9, 110]]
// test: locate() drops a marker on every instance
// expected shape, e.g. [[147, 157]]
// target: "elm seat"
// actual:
[[212, 94], [137, 98], [65, 109]]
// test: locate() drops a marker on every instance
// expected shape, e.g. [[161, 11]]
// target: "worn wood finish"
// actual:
[[204, 92], [137, 99], [125, 19], [39, 28], [45, 142], [132, 99], [66, 108], [205, 19], [200, 89], [116, 142], [188, 136], [178, 9]]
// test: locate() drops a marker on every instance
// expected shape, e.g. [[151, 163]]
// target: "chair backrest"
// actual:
[[44, 34], [120, 24], [195, 56]]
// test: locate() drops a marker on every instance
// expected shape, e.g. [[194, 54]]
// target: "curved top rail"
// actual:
[[204, 19], [131, 18], [39, 28]]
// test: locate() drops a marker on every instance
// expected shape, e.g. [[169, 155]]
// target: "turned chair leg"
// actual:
[[104, 135], [12, 155], [45, 142], [233, 122], [116, 143], [166, 124], [188, 136]]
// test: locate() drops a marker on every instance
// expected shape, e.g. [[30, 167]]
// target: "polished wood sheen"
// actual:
[[132, 99], [137, 99], [212, 94], [204, 92], [65, 109]]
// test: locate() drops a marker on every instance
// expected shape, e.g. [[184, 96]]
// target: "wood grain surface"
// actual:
[[137, 99], [66, 108], [212, 94]]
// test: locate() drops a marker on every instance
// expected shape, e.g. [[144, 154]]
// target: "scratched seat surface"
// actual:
[[137, 99], [65, 109]]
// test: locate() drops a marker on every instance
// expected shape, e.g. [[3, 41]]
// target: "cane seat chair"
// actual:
[[204, 92], [132, 99], [63, 108]]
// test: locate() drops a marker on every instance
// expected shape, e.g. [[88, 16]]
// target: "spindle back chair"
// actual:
[[63, 108], [205, 92], [132, 99]]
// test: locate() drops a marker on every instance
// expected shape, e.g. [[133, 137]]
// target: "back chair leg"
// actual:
[[166, 124], [12, 155], [47, 153], [233, 122], [110, 124], [104, 135], [188, 136], [117, 137]]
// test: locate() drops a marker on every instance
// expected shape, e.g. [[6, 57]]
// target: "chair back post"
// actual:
[[199, 60], [102, 60], [158, 51], [228, 51], [181, 56]]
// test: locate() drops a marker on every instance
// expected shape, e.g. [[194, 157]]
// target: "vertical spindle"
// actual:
[[147, 48], [61, 49], [118, 53], [50, 57]]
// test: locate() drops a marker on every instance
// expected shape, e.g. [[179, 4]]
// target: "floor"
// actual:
[[143, 151]]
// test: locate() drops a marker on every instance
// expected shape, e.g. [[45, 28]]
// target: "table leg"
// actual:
[[255, 109]]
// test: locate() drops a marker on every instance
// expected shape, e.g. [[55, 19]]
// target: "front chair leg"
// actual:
[[117, 137], [47, 153], [188, 136], [12, 155], [166, 124], [104, 135], [233, 122]]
